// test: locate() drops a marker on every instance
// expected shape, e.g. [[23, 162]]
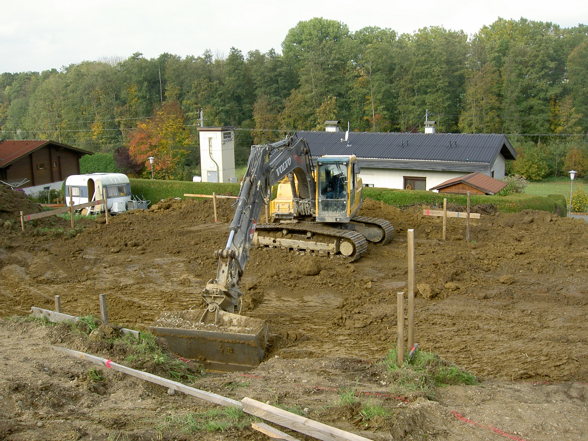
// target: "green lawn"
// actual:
[[556, 186]]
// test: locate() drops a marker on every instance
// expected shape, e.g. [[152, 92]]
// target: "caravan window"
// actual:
[[76, 191], [116, 191]]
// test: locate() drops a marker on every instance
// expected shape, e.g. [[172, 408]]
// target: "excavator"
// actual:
[[314, 211]]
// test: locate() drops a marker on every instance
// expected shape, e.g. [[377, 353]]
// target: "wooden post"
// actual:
[[105, 198], [57, 303], [468, 219], [71, 210], [400, 328], [410, 288], [21, 221], [214, 206], [103, 309], [444, 218]]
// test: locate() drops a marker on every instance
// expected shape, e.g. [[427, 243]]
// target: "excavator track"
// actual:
[[312, 237], [378, 230]]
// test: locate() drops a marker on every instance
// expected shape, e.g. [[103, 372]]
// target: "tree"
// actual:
[[164, 137], [266, 121], [577, 65], [576, 159]]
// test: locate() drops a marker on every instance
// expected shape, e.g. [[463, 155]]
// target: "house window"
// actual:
[[41, 166], [415, 183]]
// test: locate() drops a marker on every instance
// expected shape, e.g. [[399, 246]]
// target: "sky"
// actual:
[[37, 35]]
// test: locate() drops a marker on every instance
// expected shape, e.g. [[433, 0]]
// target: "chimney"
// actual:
[[331, 126], [429, 125]]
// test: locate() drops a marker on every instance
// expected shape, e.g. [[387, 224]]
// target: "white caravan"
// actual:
[[80, 189]]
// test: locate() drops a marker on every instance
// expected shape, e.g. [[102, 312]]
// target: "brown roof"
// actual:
[[476, 180], [10, 151]]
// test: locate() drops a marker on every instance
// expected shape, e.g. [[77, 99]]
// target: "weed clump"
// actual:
[[422, 374]]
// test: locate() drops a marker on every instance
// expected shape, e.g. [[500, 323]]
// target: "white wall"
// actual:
[[390, 178], [221, 146], [387, 178], [499, 167]]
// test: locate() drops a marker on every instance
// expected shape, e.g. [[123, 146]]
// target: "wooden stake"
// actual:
[[468, 220], [410, 287], [214, 206], [103, 309], [400, 328], [105, 197], [57, 303], [71, 209], [444, 218], [21, 221]]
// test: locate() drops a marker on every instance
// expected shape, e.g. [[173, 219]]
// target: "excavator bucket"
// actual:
[[233, 343]]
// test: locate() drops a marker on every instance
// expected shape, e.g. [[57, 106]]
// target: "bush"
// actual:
[[514, 184], [580, 202], [98, 163]]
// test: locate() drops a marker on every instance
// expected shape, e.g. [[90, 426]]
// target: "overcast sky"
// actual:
[[36, 35]]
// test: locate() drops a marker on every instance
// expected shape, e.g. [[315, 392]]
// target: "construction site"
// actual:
[[508, 306]]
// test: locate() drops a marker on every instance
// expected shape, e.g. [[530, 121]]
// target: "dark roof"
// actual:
[[435, 151], [11, 151], [479, 181]]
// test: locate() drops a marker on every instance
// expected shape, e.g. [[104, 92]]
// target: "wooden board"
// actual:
[[56, 317], [272, 432], [220, 196], [298, 423], [30, 217], [174, 385], [458, 214]]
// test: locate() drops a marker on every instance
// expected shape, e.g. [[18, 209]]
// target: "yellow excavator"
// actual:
[[314, 211]]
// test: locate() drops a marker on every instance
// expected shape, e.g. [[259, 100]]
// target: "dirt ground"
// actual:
[[510, 306]]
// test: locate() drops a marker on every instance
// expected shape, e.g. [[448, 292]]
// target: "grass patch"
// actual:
[[213, 420], [347, 397], [560, 186], [143, 353], [370, 412], [424, 373]]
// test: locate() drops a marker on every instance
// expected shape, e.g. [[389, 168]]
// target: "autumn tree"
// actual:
[[165, 137]]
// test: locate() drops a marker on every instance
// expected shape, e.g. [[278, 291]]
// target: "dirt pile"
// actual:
[[12, 202]]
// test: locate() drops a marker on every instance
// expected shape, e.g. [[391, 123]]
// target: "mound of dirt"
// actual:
[[12, 202]]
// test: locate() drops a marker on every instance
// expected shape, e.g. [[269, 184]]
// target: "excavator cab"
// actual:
[[338, 188]]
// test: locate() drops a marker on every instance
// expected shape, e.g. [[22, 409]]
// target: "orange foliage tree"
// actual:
[[164, 136]]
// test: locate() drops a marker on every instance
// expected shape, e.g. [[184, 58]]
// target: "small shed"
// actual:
[[38, 162], [475, 183]]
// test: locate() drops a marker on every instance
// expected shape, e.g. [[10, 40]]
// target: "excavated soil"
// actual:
[[509, 306]]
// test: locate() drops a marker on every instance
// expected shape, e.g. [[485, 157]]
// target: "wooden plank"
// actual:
[[459, 214], [53, 316], [221, 196], [170, 384], [298, 423], [57, 316], [272, 432], [30, 217]]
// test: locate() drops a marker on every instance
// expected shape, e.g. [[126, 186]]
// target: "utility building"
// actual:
[[217, 154]]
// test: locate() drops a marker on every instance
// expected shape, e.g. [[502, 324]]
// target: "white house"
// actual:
[[416, 161], [217, 154]]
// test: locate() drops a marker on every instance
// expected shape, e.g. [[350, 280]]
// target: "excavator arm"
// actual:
[[268, 164]]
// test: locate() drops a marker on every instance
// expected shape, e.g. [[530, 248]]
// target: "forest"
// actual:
[[526, 79]]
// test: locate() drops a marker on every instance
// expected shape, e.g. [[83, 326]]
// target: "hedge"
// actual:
[[155, 190]]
